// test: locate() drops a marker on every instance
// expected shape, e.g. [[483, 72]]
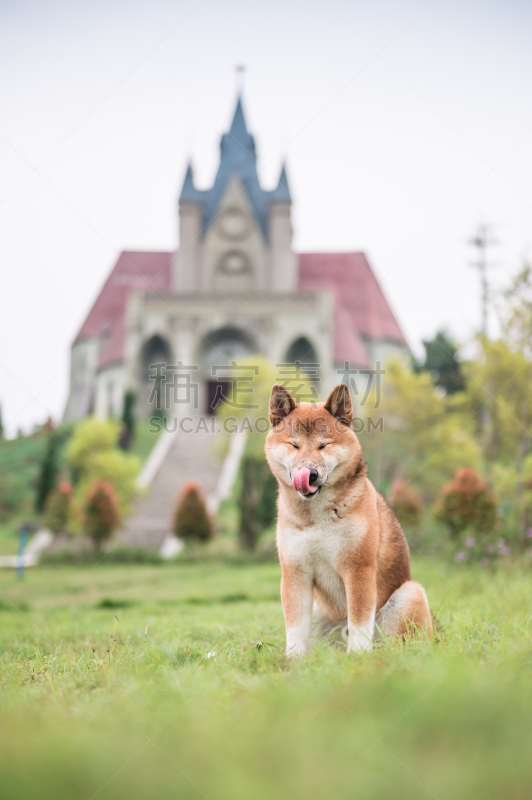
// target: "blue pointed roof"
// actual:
[[189, 194], [281, 194], [237, 158]]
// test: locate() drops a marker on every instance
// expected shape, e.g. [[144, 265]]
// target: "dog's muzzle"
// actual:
[[305, 481]]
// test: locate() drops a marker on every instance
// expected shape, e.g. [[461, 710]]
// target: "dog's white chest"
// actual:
[[317, 548]]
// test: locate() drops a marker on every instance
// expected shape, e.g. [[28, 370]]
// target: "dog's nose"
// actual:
[[313, 477]]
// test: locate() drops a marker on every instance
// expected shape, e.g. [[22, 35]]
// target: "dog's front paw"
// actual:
[[359, 646], [360, 639]]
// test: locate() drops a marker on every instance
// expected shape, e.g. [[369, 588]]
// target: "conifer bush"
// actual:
[[101, 512], [58, 507], [191, 517], [466, 501], [406, 503]]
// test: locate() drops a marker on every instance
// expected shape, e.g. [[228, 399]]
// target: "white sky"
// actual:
[[404, 124]]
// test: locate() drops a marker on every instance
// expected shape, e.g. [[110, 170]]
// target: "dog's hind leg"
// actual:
[[405, 613]]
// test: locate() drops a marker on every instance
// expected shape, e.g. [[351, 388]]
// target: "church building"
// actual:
[[235, 288]]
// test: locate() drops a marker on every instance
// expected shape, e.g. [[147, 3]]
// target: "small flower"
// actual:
[[529, 533], [504, 551], [490, 548], [459, 556], [470, 541], [501, 542], [484, 562]]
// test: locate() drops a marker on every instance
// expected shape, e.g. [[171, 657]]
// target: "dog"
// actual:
[[342, 550]]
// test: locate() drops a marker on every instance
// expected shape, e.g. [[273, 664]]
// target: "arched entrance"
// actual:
[[306, 369], [301, 351], [220, 350]]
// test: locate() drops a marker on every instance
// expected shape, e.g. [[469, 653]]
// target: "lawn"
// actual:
[[170, 682]]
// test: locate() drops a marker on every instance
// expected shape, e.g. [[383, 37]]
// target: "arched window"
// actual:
[[301, 351], [235, 262], [155, 351], [154, 358]]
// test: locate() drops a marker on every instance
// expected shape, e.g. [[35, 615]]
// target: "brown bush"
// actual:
[[406, 503], [466, 501], [191, 518], [101, 512]]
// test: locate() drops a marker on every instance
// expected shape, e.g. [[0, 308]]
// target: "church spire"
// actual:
[[238, 127], [189, 193], [281, 193]]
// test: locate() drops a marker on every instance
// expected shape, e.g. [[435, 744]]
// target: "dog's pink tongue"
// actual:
[[301, 481]]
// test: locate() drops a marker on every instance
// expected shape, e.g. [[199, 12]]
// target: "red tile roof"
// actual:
[[133, 270], [361, 309]]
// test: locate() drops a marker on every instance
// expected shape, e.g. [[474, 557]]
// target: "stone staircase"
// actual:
[[182, 457]]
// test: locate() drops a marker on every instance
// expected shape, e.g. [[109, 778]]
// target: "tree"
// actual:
[[191, 518], [442, 363], [425, 437], [258, 495], [101, 512], [128, 420], [48, 471]]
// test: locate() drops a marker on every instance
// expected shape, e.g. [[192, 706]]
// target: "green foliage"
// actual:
[[442, 363], [257, 500], [191, 518], [101, 513], [94, 455], [424, 438], [498, 395], [58, 507], [467, 502], [19, 473], [406, 503]]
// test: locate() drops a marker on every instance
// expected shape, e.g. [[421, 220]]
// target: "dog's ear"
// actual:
[[281, 403], [339, 404]]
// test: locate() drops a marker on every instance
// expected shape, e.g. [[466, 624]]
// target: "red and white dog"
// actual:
[[341, 547]]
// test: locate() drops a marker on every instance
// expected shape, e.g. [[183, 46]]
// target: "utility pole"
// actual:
[[481, 241]]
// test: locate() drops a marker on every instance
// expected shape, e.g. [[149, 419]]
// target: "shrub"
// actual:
[[258, 499], [466, 502], [191, 518], [101, 512], [406, 503], [58, 507], [93, 454]]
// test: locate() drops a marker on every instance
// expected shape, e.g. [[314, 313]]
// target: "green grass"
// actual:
[[144, 440], [170, 682]]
